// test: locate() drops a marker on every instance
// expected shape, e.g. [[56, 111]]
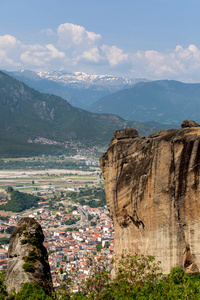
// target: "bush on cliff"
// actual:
[[139, 278], [136, 278], [3, 292], [30, 292]]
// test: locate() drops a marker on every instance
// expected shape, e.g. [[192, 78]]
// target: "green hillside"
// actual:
[[19, 202], [164, 101], [28, 114]]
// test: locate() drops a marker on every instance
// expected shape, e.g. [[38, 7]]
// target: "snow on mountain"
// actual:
[[78, 88], [85, 80]]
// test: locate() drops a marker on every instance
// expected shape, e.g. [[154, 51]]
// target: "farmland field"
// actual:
[[45, 181]]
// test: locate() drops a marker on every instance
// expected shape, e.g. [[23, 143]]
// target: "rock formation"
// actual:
[[27, 257], [153, 194]]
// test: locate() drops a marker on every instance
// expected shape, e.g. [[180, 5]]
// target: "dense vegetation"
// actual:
[[19, 202], [4, 240], [136, 278], [5, 219], [72, 221], [13, 147], [42, 164], [92, 196]]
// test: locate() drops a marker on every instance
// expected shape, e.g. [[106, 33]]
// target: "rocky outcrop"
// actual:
[[27, 257], [189, 123], [153, 194]]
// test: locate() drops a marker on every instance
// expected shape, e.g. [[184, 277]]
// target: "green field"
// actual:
[[44, 174]]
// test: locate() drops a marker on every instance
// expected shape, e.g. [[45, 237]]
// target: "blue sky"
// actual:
[[156, 39]]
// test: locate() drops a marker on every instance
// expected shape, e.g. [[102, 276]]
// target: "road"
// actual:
[[83, 214]]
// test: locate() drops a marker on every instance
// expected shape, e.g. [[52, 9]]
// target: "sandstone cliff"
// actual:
[[27, 257], [153, 193]]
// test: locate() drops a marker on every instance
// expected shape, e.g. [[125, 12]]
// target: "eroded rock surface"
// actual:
[[153, 193], [27, 257]]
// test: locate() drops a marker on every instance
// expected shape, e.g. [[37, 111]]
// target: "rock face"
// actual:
[[153, 193], [27, 257]]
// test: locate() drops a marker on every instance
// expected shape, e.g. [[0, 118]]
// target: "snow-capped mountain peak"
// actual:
[[81, 78]]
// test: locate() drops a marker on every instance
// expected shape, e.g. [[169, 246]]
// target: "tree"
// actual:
[[9, 189], [93, 223], [31, 292], [90, 217], [99, 247], [135, 279]]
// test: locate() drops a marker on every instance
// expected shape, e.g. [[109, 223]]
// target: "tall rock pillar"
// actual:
[[153, 194], [27, 257]]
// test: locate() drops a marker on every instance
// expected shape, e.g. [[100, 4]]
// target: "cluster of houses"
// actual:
[[72, 247]]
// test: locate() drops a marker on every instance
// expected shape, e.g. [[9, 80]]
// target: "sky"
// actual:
[[155, 39]]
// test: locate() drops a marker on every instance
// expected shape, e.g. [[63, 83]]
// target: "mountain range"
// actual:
[[163, 101], [78, 88], [28, 115], [155, 103]]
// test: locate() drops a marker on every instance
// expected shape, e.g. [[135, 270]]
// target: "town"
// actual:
[[77, 230]]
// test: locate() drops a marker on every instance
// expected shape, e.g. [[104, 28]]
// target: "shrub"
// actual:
[[24, 241], [176, 275], [28, 268], [31, 292], [24, 227], [3, 292], [31, 258]]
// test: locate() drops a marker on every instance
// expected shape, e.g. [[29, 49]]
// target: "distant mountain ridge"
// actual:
[[163, 101], [28, 115], [81, 79], [80, 89]]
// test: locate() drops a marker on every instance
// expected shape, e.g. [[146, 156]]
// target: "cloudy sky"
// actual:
[[156, 39]]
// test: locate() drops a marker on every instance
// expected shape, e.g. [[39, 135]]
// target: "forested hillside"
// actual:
[[26, 114], [163, 101]]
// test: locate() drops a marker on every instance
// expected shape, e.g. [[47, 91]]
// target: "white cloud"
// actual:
[[5, 61], [40, 56], [114, 55], [10, 49], [179, 64], [94, 55], [71, 35], [86, 47], [189, 57], [15, 54], [72, 45], [48, 31], [8, 41]]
